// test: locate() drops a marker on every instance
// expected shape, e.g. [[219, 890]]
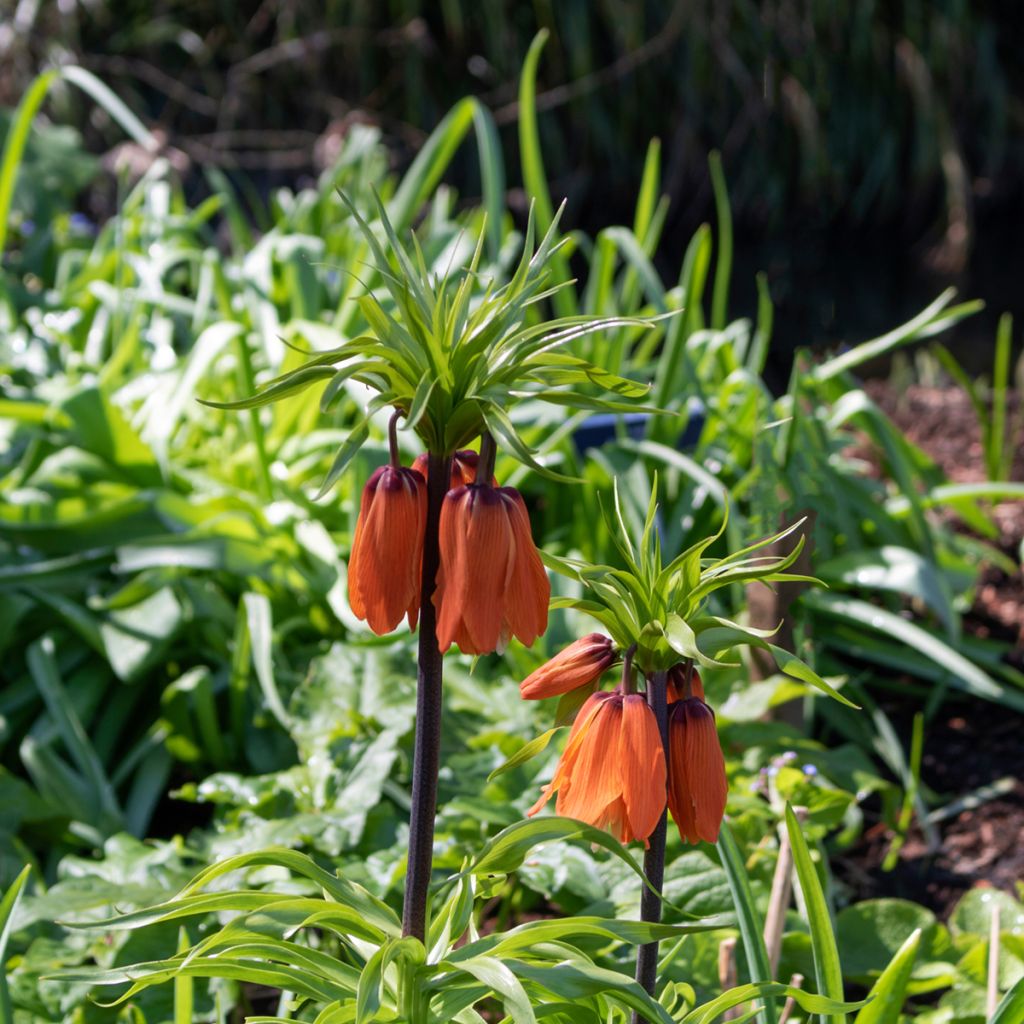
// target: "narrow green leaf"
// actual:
[[723, 266], [744, 993], [890, 990], [261, 632], [8, 905], [751, 925], [827, 970], [1011, 1009], [183, 986], [525, 753], [961, 673], [346, 453]]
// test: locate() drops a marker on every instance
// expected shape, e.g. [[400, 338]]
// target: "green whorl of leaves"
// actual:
[[454, 352]]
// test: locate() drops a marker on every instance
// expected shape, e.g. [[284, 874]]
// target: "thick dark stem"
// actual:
[[654, 859], [428, 716]]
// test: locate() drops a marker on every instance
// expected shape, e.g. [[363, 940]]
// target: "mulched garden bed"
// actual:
[[967, 746]]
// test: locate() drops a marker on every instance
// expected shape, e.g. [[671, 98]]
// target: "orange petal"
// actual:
[[448, 593], [355, 597], [643, 767], [676, 688], [464, 466], [579, 664], [484, 567], [616, 820], [705, 769], [391, 549], [529, 590], [596, 780], [680, 801], [563, 774]]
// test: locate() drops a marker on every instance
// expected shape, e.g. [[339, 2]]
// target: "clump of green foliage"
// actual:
[[174, 619]]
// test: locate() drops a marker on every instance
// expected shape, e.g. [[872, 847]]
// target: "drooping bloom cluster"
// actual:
[[612, 773], [491, 584]]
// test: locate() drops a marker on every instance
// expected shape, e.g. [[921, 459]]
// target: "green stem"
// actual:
[[263, 480], [654, 858], [427, 752], [488, 455]]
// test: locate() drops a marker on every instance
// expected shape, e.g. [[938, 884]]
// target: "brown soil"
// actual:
[[967, 745], [942, 422]]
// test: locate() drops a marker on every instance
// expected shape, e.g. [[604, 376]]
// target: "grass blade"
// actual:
[[827, 970], [888, 992], [751, 925], [8, 904], [723, 265]]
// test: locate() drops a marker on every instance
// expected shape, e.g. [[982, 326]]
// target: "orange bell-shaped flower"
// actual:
[[697, 787], [491, 582], [580, 664], [464, 466], [387, 549], [675, 687], [612, 772]]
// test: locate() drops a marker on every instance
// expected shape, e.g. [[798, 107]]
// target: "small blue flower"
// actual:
[[809, 769], [27, 227], [80, 224]]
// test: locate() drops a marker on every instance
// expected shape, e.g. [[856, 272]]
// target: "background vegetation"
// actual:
[[182, 677]]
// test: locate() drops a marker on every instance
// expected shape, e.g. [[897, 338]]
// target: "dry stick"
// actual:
[[654, 859], [778, 901], [787, 1010], [992, 1000], [427, 752], [727, 975]]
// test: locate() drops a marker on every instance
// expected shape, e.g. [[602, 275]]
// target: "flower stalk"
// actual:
[[426, 756], [654, 858]]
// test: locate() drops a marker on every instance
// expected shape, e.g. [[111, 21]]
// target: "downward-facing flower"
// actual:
[[387, 548], [580, 664], [612, 773], [683, 682], [491, 583], [697, 787], [464, 465]]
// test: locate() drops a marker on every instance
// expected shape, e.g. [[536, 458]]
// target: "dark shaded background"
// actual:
[[874, 151]]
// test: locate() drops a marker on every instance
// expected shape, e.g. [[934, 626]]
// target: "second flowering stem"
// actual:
[[426, 756]]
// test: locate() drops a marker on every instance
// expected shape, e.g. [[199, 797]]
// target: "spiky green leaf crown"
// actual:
[[453, 353], [662, 608]]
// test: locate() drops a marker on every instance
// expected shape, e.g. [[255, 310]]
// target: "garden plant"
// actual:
[[279, 509]]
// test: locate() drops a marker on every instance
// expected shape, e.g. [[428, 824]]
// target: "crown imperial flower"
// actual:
[[580, 664], [697, 787], [491, 582], [612, 773], [387, 549], [464, 466]]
